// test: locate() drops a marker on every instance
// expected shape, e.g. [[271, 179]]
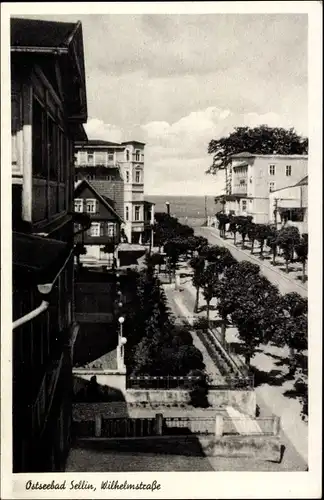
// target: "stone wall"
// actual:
[[245, 400]]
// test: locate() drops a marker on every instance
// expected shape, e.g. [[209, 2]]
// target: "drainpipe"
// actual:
[[44, 289], [31, 315]]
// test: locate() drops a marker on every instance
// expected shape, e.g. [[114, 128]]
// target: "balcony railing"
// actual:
[[239, 189]]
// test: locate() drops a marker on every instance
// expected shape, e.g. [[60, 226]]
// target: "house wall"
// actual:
[[42, 189], [44, 174], [257, 181]]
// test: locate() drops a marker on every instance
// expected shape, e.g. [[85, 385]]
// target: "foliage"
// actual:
[[255, 312], [155, 345], [252, 234], [222, 219], [272, 243], [301, 384], [302, 252], [257, 140], [262, 233], [288, 240], [293, 327], [243, 224]]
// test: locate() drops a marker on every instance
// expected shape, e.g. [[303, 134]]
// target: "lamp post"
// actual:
[[121, 342], [167, 207]]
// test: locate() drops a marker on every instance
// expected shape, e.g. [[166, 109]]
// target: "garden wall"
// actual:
[[245, 400], [112, 378]]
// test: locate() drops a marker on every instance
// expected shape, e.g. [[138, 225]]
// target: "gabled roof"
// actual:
[[133, 142], [41, 34], [244, 154], [303, 181], [96, 142], [104, 199], [63, 42]]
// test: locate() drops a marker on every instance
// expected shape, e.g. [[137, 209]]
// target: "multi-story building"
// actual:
[[48, 106], [103, 236], [117, 171], [290, 206], [254, 177]]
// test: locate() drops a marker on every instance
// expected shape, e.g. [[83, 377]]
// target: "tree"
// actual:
[[252, 234], [172, 249], [209, 281], [243, 224], [257, 140], [223, 219], [233, 227], [288, 240], [272, 243], [198, 265], [302, 253], [230, 288], [255, 313], [262, 233], [293, 328]]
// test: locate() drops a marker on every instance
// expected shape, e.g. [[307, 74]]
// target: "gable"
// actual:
[[105, 210]]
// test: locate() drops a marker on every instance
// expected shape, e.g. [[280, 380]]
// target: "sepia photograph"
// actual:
[[160, 230]]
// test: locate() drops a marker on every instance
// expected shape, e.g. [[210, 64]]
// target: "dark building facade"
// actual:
[[48, 97], [105, 224]]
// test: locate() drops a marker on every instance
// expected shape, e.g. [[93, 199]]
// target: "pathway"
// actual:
[[278, 278], [271, 396], [178, 307]]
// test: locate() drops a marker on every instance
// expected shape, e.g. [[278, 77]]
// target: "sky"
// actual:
[[177, 81]]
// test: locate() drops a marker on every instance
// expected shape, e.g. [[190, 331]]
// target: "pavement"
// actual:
[[273, 392], [285, 282]]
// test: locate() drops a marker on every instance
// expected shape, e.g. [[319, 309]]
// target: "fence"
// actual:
[[161, 382], [128, 427], [188, 425], [217, 425]]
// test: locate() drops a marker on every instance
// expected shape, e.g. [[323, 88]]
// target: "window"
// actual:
[[137, 213], [78, 205], [95, 229], [137, 155], [127, 176], [137, 176], [110, 157], [111, 229], [82, 157], [272, 186], [242, 182], [288, 170], [244, 205], [127, 213], [272, 169], [127, 155], [90, 177], [90, 158], [91, 206]]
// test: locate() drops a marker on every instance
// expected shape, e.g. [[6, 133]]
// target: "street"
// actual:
[[285, 284]]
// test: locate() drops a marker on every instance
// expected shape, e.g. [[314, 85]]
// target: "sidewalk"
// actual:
[[271, 398], [285, 283]]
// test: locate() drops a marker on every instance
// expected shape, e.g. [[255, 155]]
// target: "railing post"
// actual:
[[98, 425], [276, 425], [219, 425], [158, 424]]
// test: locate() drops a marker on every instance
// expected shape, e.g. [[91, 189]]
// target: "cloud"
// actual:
[[176, 156], [97, 129]]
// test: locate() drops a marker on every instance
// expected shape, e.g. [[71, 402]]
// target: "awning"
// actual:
[[37, 259]]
